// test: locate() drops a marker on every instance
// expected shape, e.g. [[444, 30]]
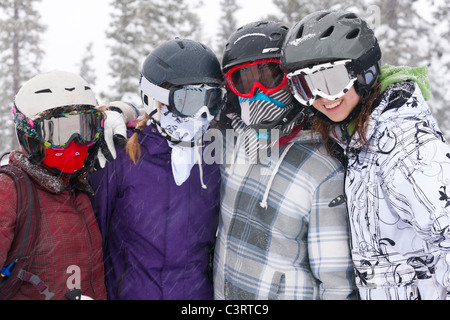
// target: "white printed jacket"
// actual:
[[398, 197]]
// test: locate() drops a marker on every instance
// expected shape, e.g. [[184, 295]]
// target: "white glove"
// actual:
[[118, 113]]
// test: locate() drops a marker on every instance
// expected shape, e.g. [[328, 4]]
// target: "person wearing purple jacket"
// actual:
[[157, 203]]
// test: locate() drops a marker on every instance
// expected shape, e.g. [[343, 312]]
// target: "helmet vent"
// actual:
[[327, 33], [163, 64], [275, 36], [323, 15], [180, 43], [145, 99], [300, 32], [261, 24], [44, 91], [353, 34], [349, 16]]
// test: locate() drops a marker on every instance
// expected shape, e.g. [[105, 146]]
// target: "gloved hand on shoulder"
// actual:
[[118, 114]]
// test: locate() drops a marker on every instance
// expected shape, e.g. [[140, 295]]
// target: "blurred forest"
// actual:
[[413, 33]]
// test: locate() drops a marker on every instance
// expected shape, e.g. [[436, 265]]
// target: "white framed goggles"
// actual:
[[57, 128], [329, 80], [186, 100]]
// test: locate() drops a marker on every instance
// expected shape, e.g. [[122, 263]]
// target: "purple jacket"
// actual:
[[157, 236]]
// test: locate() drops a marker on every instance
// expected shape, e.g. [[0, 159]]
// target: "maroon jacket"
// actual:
[[69, 244]]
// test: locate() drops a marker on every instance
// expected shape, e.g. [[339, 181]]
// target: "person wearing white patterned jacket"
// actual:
[[397, 160]]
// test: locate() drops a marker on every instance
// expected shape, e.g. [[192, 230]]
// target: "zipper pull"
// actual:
[[6, 271]]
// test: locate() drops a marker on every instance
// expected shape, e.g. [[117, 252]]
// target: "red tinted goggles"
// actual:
[[264, 74]]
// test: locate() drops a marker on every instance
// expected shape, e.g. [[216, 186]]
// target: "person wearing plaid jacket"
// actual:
[[283, 224], [298, 246]]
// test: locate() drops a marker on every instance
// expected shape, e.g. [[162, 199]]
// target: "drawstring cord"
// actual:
[[263, 203], [200, 167]]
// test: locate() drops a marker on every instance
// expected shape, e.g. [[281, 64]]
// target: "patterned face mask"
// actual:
[[68, 160], [184, 129], [265, 109], [262, 112]]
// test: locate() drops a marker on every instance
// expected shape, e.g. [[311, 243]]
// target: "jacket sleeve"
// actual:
[[8, 205], [416, 182], [104, 184], [328, 241]]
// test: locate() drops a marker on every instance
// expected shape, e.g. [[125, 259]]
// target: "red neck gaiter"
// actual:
[[68, 160]]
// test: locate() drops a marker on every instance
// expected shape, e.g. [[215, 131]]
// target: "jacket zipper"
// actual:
[[73, 197], [122, 275]]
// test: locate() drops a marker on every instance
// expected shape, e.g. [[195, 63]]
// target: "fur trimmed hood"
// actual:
[[46, 179]]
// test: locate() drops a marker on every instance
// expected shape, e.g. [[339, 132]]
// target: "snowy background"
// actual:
[[107, 40], [75, 23]]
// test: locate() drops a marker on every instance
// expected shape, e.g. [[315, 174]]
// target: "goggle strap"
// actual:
[[367, 60], [154, 91], [315, 68]]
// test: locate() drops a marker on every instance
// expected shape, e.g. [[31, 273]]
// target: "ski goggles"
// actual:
[[330, 81], [186, 100], [264, 74], [57, 128]]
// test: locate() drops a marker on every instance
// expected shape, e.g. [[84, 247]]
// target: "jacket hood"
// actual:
[[393, 74], [397, 81], [405, 95]]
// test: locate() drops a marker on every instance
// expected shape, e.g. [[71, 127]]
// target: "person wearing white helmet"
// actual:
[[58, 128]]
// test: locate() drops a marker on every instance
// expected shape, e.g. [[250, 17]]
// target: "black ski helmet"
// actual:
[[254, 41], [167, 64], [328, 35], [173, 63]]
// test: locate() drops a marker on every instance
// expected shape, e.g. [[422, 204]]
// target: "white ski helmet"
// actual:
[[47, 91], [51, 90]]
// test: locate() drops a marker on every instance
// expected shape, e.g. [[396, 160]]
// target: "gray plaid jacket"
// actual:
[[283, 227]]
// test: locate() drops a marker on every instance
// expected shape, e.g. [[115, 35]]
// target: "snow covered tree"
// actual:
[[138, 26], [20, 57], [126, 39], [439, 63], [402, 33], [292, 11], [227, 24], [162, 20], [86, 69], [417, 34]]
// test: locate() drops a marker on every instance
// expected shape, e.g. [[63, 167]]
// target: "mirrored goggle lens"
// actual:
[[300, 86], [190, 99], [330, 82], [60, 130], [268, 74]]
